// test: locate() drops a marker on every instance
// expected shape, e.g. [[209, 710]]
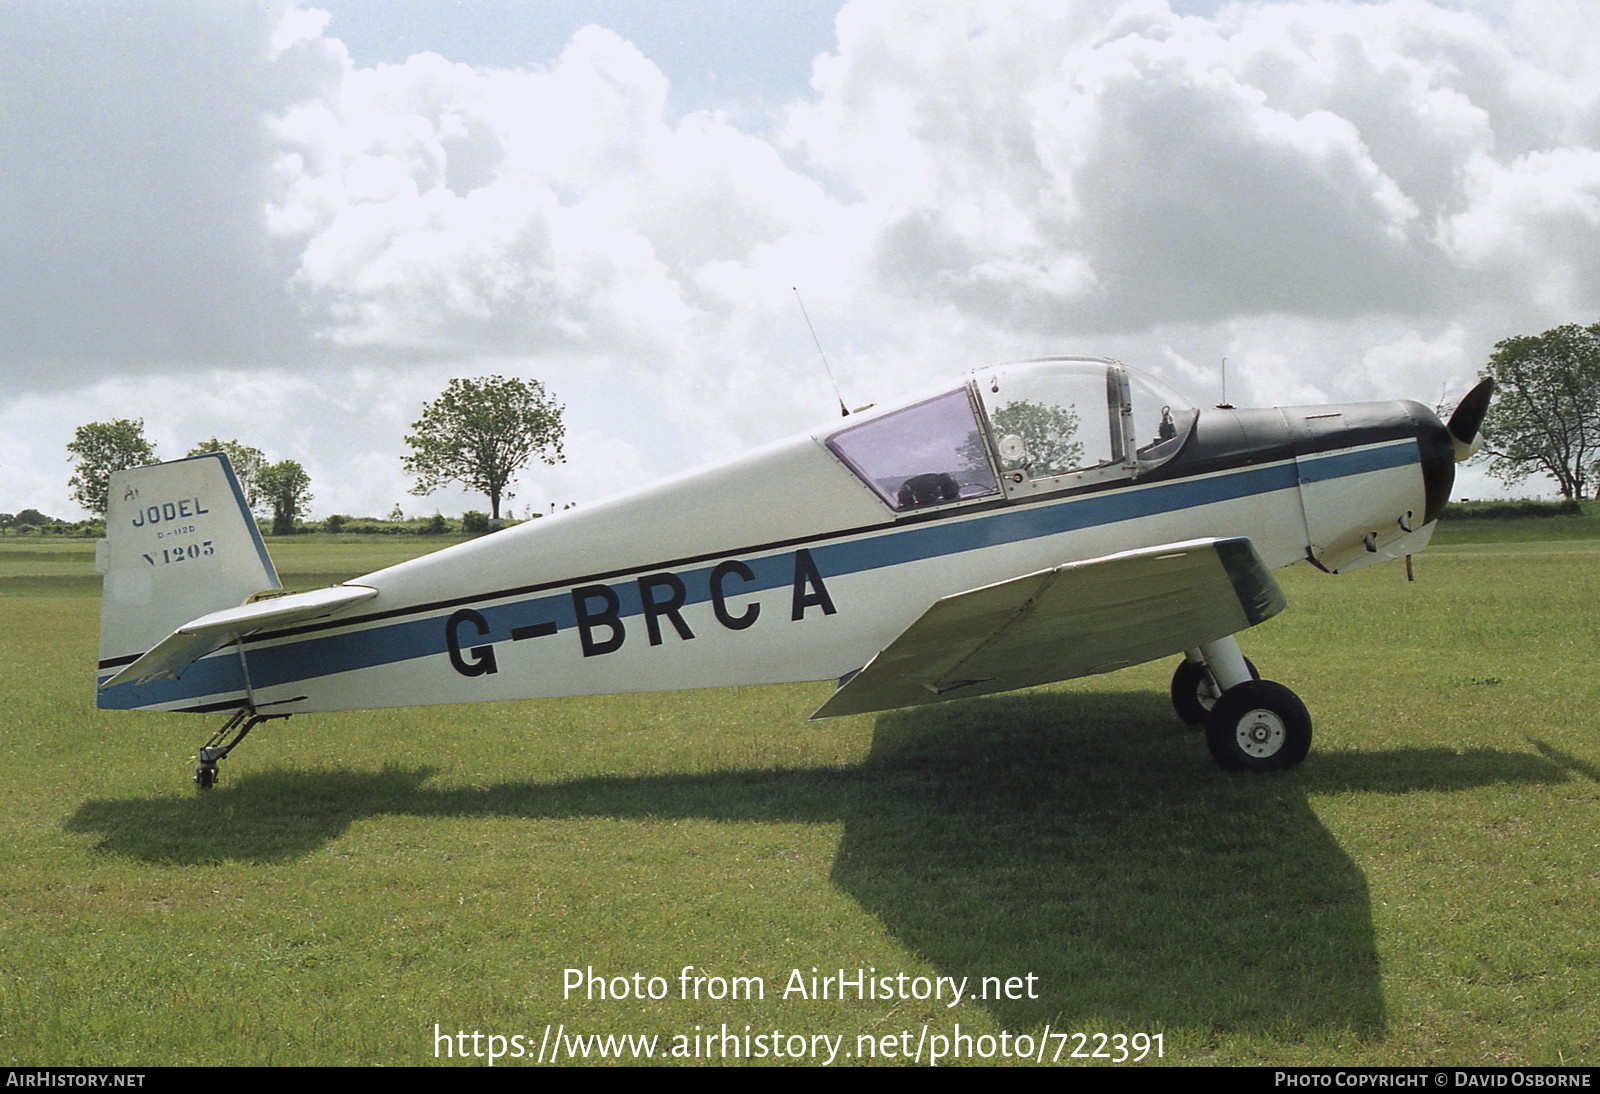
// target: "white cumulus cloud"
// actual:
[[225, 221]]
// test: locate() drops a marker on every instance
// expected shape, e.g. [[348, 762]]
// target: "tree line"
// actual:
[[478, 433], [102, 448]]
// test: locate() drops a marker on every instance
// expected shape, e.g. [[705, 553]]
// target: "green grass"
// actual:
[[1425, 889], [1484, 522]]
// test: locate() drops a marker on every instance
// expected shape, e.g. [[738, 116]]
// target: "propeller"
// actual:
[[1468, 416]]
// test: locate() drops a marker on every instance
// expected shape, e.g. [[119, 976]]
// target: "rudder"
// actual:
[[180, 542]]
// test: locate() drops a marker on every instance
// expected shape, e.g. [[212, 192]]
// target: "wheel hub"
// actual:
[[1261, 733]]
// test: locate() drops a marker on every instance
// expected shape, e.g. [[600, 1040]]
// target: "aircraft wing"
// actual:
[[199, 637], [1072, 620]]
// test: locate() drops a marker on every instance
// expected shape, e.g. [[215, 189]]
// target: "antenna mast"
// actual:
[[843, 413]]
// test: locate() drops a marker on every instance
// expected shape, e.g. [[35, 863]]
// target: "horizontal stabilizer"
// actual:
[[198, 637], [1069, 621]]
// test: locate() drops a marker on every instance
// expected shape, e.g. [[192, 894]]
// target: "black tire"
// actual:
[[1191, 688], [1259, 726]]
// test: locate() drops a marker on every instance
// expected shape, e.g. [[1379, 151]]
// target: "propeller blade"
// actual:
[[1468, 416]]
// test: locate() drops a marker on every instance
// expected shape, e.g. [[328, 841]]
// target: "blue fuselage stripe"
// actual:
[[389, 642]]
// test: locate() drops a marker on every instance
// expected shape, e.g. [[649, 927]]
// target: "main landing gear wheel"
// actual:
[[1192, 694], [1259, 726]]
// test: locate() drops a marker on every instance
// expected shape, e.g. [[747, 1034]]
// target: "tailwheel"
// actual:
[[240, 723], [1258, 726]]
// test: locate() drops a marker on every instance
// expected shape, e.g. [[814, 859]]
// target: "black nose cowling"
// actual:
[[1438, 455]]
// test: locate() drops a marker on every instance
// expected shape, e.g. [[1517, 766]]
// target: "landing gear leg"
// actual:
[[1225, 663], [1193, 690], [1251, 724], [240, 723]]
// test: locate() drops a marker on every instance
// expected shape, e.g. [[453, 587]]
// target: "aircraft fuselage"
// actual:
[[802, 560]]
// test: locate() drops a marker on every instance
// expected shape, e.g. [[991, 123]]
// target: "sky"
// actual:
[[291, 224]]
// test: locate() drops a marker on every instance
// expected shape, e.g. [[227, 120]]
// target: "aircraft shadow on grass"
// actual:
[[1058, 834]]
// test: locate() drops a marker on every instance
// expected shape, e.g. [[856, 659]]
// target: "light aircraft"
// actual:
[[1037, 521]]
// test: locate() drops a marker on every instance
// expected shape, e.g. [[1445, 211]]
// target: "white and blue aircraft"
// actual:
[[1037, 521]]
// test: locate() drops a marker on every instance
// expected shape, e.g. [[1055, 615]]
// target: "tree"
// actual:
[[286, 488], [1049, 435], [480, 433], [247, 463], [1545, 417], [33, 516], [101, 448]]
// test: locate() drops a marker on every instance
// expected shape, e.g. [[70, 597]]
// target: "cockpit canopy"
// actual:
[[1016, 430]]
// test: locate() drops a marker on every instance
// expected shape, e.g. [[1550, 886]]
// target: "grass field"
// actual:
[[1425, 889]]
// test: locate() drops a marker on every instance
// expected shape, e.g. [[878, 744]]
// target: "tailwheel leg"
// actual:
[[239, 724]]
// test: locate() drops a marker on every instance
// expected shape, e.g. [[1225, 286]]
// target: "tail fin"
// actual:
[[180, 543]]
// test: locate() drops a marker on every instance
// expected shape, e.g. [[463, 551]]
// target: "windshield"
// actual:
[[1161, 419]]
